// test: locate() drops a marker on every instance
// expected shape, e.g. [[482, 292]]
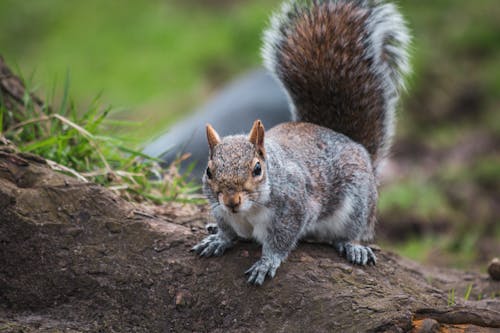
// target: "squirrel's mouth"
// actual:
[[232, 201], [233, 210]]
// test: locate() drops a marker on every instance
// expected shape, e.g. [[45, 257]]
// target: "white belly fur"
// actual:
[[254, 223], [334, 226], [251, 224]]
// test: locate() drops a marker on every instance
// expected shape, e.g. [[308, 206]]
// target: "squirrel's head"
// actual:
[[236, 176]]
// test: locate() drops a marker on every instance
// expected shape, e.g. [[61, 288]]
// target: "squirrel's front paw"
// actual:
[[213, 245], [262, 268]]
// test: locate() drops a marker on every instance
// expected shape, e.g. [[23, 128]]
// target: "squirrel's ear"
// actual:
[[257, 136], [212, 137]]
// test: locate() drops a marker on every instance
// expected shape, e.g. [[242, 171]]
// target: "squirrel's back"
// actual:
[[342, 63]]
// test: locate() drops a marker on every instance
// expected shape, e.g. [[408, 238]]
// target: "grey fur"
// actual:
[[314, 182], [303, 192]]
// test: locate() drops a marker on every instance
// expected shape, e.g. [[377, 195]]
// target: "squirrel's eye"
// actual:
[[257, 170], [209, 173]]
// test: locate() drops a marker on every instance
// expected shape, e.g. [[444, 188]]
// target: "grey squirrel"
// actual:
[[342, 64]]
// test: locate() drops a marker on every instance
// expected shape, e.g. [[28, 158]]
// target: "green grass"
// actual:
[[160, 58], [487, 171], [157, 60], [451, 297], [467, 292], [416, 248], [413, 196], [78, 142], [483, 172], [459, 252]]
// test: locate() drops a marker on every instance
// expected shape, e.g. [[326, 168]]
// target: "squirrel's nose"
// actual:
[[233, 201]]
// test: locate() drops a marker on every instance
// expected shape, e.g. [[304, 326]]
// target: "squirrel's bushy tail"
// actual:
[[342, 63]]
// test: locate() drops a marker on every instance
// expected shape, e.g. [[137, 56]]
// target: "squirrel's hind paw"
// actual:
[[356, 254], [213, 245]]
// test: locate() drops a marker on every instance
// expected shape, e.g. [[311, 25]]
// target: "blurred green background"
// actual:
[[156, 60]]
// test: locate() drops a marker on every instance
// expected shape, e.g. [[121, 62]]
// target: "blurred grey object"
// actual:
[[256, 95]]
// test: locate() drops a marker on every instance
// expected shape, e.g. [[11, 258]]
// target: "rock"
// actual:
[[494, 269]]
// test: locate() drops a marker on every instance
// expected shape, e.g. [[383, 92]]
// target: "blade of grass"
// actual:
[[28, 122], [59, 167], [467, 292], [40, 144], [138, 153], [68, 122]]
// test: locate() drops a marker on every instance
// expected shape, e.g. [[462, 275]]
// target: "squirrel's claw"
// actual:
[[262, 268], [213, 245], [357, 254]]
